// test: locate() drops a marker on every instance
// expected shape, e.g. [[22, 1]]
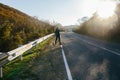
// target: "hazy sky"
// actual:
[[66, 12]]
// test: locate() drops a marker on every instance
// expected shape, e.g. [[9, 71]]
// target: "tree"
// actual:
[[5, 35]]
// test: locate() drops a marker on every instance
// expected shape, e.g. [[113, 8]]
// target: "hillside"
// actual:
[[102, 28], [17, 28]]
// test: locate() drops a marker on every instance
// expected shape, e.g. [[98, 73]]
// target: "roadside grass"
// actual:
[[17, 67]]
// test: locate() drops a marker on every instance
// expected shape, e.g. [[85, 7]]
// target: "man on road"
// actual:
[[57, 34]]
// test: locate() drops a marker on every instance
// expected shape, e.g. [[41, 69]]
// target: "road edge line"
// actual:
[[113, 52], [66, 64]]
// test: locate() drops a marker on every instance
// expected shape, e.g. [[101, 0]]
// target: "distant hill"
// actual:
[[103, 28], [17, 28], [70, 27]]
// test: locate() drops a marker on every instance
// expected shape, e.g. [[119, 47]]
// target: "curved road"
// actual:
[[91, 59]]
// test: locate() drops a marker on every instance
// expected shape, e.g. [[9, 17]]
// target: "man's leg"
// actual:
[[56, 40], [59, 40]]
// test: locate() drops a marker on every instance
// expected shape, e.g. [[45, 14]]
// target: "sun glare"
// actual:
[[106, 9]]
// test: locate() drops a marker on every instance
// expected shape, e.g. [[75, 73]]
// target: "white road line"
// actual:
[[102, 48], [66, 64]]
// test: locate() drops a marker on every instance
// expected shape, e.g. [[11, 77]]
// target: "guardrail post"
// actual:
[[21, 57], [1, 72]]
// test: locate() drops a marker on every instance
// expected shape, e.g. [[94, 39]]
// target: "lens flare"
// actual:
[[106, 9]]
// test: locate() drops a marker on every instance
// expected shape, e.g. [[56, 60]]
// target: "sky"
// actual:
[[65, 12]]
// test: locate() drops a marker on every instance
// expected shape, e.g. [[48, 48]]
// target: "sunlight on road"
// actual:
[[98, 71]]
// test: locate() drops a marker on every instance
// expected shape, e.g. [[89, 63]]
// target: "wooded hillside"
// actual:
[[17, 28]]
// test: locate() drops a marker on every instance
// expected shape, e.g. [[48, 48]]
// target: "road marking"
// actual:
[[102, 48], [66, 64]]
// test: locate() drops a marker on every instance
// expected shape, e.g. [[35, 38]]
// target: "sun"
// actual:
[[106, 9]]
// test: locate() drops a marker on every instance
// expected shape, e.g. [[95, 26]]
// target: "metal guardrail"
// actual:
[[3, 56], [11, 55]]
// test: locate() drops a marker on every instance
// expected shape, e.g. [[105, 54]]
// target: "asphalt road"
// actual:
[[91, 59]]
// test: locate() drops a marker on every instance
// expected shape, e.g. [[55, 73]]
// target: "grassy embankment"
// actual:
[[42, 62]]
